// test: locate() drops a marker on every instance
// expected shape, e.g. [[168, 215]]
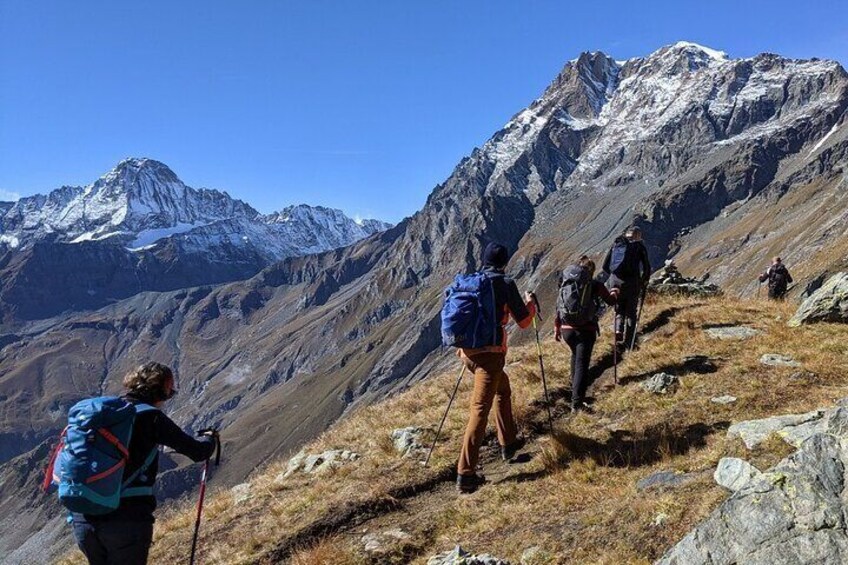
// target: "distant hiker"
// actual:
[[576, 322], [493, 297], [778, 278], [123, 535], [629, 270]]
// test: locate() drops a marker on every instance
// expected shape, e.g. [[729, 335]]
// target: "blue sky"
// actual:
[[360, 105]]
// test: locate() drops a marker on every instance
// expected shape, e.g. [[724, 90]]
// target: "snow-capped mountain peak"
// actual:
[[141, 203]]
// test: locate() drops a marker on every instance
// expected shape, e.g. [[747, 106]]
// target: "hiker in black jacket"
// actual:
[[778, 278], [123, 537], [628, 269], [580, 329]]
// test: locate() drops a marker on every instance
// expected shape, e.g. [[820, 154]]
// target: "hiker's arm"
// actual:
[[611, 298], [522, 312], [170, 434], [788, 277], [764, 277]]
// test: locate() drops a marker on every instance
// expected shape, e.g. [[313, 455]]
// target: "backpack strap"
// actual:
[[128, 491]]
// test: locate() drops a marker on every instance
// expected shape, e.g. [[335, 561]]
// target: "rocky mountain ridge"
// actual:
[[139, 228]]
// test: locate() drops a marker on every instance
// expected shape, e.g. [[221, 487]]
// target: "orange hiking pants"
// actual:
[[491, 385]]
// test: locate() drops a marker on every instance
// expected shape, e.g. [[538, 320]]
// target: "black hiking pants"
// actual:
[[581, 343], [114, 542], [627, 308], [777, 292]]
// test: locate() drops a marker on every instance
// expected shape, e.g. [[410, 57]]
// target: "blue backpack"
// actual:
[[469, 319], [93, 451], [624, 261]]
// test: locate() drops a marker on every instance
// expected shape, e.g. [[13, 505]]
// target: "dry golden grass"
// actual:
[[577, 498]]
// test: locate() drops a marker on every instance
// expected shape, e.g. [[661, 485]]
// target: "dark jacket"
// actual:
[[778, 277], [643, 262], [508, 302], [598, 291], [151, 429]]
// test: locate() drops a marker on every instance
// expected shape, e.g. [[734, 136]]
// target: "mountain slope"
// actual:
[[139, 228], [682, 142]]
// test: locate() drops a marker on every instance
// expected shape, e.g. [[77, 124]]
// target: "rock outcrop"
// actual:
[[827, 304], [669, 281], [791, 514]]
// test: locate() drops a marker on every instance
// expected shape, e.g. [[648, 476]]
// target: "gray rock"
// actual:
[[318, 462], [408, 440], [241, 493], [459, 556], [793, 428], [535, 556], [665, 479], [733, 473], [732, 332], [827, 304], [382, 542], [793, 514], [669, 281], [661, 383], [777, 360], [660, 520], [725, 399]]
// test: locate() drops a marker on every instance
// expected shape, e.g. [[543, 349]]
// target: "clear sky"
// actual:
[[361, 105]]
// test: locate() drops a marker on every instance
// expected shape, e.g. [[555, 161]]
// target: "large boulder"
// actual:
[[791, 514], [827, 304], [793, 428]]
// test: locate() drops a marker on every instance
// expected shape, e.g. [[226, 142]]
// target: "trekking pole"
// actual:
[[439, 431], [614, 355], [759, 286], [638, 317], [542, 363], [203, 478]]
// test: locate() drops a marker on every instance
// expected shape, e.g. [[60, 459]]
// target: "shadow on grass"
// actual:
[[698, 364], [626, 449]]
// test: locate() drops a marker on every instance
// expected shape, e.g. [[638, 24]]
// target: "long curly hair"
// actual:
[[149, 381]]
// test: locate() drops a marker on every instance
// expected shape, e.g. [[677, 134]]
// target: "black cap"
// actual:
[[495, 255]]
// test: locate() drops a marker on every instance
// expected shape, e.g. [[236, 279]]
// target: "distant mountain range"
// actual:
[[139, 227], [723, 162]]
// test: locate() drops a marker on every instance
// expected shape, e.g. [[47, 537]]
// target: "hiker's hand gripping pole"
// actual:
[[213, 433], [541, 362], [439, 431]]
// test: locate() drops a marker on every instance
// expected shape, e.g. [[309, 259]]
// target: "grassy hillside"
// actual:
[[575, 496]]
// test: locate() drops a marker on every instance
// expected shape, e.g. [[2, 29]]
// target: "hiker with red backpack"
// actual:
[[475, 311], [778, 278], [576, 322], [629, 269], [106, 465]]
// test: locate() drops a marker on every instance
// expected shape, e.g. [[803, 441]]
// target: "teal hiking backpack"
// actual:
[[93, 451]]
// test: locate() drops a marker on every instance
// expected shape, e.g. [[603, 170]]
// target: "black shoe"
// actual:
[[582, 407], [508, 452], [466, 484]]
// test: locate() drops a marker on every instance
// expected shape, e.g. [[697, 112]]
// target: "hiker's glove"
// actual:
[[530, 297], [209, 432]]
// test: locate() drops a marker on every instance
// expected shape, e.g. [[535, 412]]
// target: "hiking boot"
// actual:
[[508, 452], [582, 407], [466, 484]]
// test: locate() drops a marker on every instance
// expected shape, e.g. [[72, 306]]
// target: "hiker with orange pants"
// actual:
[[486, 362]]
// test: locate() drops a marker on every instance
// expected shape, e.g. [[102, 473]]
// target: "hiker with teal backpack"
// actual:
[[106, 463], [577, 322], [475, 311], [629, 269]]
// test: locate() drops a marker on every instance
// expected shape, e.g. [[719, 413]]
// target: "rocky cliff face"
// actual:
[[721, 161], [140, 228]]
